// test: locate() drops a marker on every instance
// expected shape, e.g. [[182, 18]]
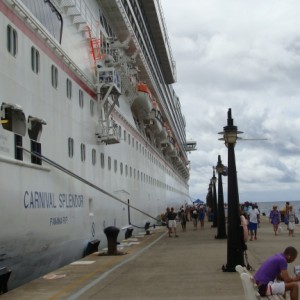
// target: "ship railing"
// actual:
[[25, 14], [166, 39], [108, 132]]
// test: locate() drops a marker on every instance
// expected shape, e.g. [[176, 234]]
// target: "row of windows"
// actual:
[[12, 48], [115, 166]]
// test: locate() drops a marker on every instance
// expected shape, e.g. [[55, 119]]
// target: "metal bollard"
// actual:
[[147, 228], [91, 247], [111, 233], [128, 233], [4, 276]]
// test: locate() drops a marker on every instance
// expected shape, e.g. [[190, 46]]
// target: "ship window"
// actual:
[[35, 60], [132, 142], [18, 147], [54, 76], [36, 150], [102, 160], [82, 150], [136, 145], [69, 88], [13, 118], [94, 156], [81, 98], [121, 168], [109, 162], [138, 174], [130, 172], [12, 39], [120, 131], [48, 15], [92, 106], [128, 139], [126, 170], [141, 176], [115, 165], [125, 135], [71, 147]]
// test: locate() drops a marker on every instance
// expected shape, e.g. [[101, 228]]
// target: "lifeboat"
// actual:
[[174, 152], [164, 133], [154, 120], [168, 142], [142, 104]]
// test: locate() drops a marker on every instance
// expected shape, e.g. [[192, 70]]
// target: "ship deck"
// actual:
[[159, 267]]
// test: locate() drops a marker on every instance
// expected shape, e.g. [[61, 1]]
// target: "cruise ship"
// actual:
[[92, 133]]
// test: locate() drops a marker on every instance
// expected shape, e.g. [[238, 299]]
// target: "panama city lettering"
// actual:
[[35, 199]]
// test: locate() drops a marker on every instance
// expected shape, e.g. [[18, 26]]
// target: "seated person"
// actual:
[[272, 277]]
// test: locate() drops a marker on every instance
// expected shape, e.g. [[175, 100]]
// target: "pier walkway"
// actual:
[[159, 267]]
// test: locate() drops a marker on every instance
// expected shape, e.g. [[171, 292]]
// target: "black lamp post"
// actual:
[[235, 253], [221, 213], [214, 198], [209, 200]]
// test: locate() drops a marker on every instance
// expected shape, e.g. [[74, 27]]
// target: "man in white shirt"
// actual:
[[253, 221]]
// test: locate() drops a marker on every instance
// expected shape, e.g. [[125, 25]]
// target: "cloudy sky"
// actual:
[[243, 55]]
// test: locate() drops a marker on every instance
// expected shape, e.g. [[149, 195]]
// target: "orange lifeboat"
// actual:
[[164, 133], [154, 119], [142, 104]]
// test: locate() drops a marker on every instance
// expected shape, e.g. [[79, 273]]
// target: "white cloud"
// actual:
[[243, 55]]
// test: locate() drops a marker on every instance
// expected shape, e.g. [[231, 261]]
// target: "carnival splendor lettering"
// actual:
[[35, 199]]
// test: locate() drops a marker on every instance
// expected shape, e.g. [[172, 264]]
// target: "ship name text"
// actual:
[[36, 199]]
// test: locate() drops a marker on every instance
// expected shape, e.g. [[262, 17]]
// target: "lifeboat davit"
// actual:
[[154, 120], [142, 104]]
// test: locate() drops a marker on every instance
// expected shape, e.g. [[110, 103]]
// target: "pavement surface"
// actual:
[[159, 267]]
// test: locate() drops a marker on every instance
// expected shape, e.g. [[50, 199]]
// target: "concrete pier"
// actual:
[[159, 267]]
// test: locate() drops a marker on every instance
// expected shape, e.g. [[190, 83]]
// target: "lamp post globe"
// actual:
[[221, 233], [235, 251], [214, 198]]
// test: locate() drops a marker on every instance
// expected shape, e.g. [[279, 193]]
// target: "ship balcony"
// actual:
[[108, 132], [108, 76]]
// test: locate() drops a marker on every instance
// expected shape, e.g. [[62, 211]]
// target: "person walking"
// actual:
[[183, 219], [195, 217], [201, 216], [253, 222], [291, 221], [172, 222], [275, 219]]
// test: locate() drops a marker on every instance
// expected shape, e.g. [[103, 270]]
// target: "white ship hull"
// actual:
[[51, 210]]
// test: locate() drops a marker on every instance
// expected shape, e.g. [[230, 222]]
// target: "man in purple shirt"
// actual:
[[272, 277]]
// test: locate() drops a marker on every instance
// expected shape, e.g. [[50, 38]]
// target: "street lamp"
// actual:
[[221, 214], [235, 253], [209, 200], [214, 198]]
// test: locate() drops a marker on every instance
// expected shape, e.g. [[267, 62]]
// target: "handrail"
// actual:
[[63, 169]]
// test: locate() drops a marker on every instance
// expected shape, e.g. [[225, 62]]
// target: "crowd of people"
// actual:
[[249, 212], [272, 277]]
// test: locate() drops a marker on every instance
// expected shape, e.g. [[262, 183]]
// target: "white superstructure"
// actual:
[[89, 121]]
